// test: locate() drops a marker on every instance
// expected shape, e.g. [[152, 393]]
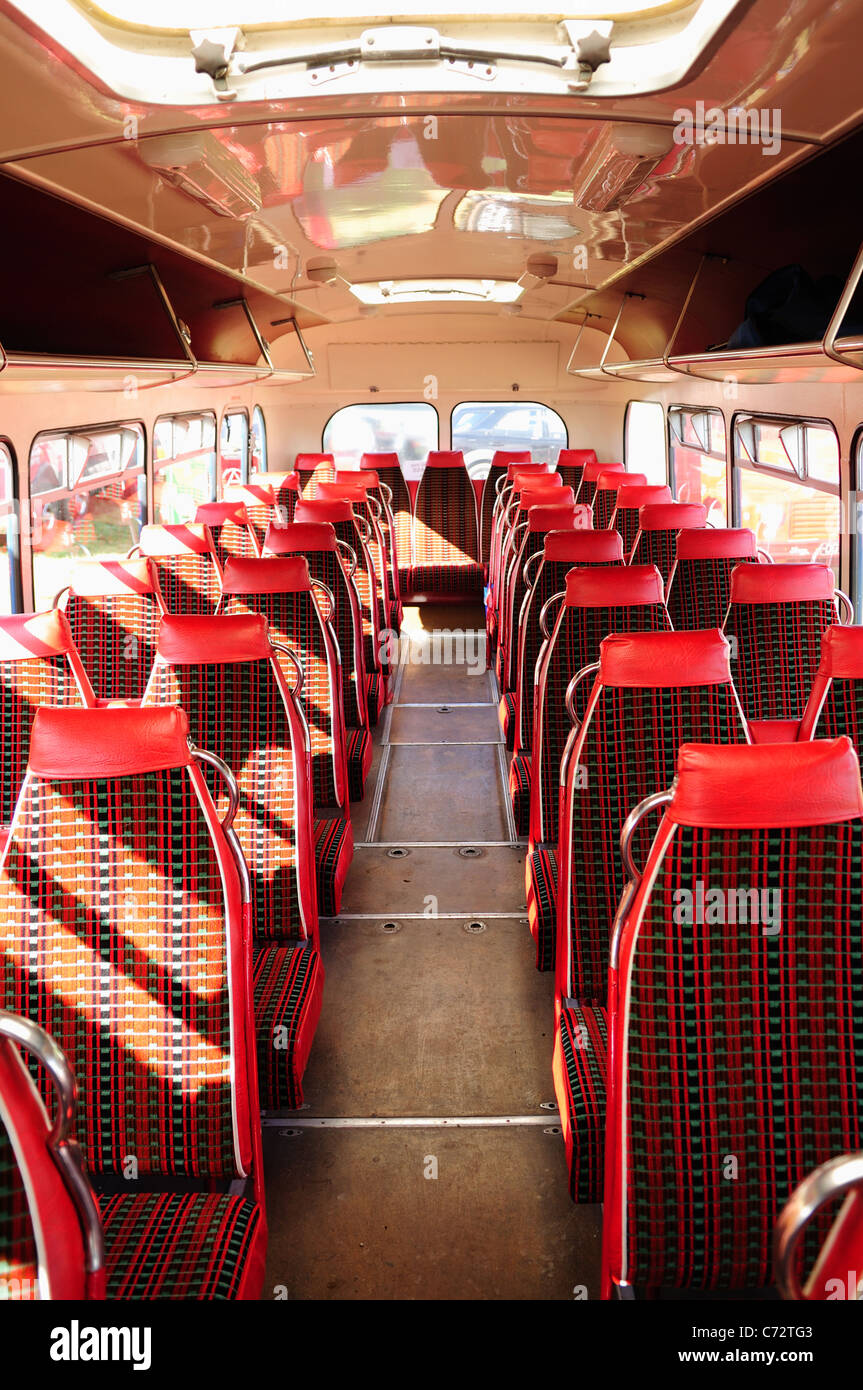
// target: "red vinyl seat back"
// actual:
[[571, 464], [497, 469], [188, 573], [230, 528], [122, 935], [542, 517], [659, 525], [285, 489], [318, 542], [39, 665], [388, 470], [368, 511], [562, 551], [700, 584], [777, 617], [223, 672], [259, 499], [340, 515], [835, 704], [734, 1026], [314, 469], [597, 601], [591, 474], [114, 615], [280, 589], [630, 499], [446, 533], [653, 691], [605, 497]]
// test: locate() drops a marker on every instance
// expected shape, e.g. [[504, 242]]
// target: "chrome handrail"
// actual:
[[63, 1147], [319, 584], [203, 755], [573, 686], [289, 652], [352, 554], [848, 620], [833, 1179], [527, 564], [633, 873], [545, 607]]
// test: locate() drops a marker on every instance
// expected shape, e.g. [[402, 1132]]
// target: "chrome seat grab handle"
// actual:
[[203, 755], [347, 550], [387, 493], [328, 595], [363, 527], [576, 681], [768, 558], [630, 868], [834, 1179], [64, 1149], [531, 560], [840, 598], [544, 610], [296, 690]]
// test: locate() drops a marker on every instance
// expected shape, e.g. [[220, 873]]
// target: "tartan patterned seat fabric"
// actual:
[[598, 601], [563, 515], [163, 1245], [499, 465], [725, 1034], [659, 525], [230, 528], [317, 542], [281, 590], [446, 542], [39, 665], [608, 485], [288, 983], [630, 499], [389, 471], [224, 675], [653, 692], [502, 518], [113, 611], [546, 491], [562, 551], [777, 617], [188, 573], [579, 1068], [285, 488], [108, 878], [339, 514], [259, 500], [519, 791], [571, 464], [700, 584], [835, 705], [334, 848], [590, 476], [382, 495], [506, 716], [314, 469], [357, 493]]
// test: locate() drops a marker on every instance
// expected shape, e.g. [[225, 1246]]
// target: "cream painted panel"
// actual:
[[464, 366]]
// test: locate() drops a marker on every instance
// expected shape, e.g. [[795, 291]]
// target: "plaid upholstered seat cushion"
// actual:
[[457, 578], [359, 752], [506, 717], [700, 589], [579, 1067], [288, 980], [192, 1245], [541, 884], [519, 791], [24, 686], [116, 638], [777, 648], [334, 850], [188, 583]]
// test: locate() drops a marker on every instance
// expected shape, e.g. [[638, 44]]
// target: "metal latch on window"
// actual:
[[587, 46]]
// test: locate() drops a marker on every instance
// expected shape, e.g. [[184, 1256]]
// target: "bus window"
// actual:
[[408, 428], [234, 449], [184, 465], [788, 479], [87, 499], [481, 427], [699, 472], [644, 440], [258, 462], [8, 533]]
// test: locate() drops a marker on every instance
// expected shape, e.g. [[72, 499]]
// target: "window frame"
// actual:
[[258, 412], [156, 468], [246, 459], [13, 536], [720, 457]]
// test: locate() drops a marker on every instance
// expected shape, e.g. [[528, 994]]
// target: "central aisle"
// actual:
[[433, 1011]]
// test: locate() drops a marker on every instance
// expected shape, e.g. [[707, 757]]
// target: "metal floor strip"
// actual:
[[408, 1122]]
